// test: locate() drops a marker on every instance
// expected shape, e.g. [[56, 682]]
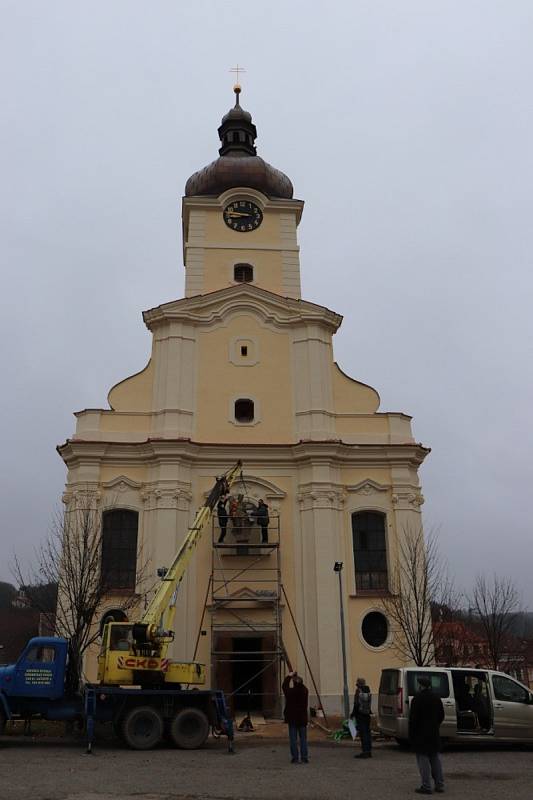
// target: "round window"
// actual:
[[375, 629]]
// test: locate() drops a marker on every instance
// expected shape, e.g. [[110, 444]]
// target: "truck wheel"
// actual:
[[142, 728], [189, 729]]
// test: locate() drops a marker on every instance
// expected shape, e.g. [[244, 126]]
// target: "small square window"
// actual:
[[244, 410], [244, 350], [243, 273]]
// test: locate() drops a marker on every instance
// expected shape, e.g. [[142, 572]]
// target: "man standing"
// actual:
[[425, 717], [222, 514], [296, 716], [362, 709], [263, 520]]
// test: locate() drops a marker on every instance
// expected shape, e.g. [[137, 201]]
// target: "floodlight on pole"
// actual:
[[346, 697]]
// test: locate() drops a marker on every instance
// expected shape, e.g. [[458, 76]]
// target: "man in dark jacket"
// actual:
[[425, 717], [362, 709], [222, 513], [296, 696], [263, 520]]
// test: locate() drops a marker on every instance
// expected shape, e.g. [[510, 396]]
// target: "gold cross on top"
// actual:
[[237, 69]]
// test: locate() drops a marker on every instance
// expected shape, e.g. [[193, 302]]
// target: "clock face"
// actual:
[[243, 216]]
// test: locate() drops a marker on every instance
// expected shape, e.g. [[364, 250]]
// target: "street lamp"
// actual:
[[346, 697]]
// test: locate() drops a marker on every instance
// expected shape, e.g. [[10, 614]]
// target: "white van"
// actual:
[[479, 704]]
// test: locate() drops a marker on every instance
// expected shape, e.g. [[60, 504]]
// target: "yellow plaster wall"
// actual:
[[133, 393], [260, 248], [364, 425], [217, 232], [351, 396], [367, 662], [219, 381], [351, 476], [219, 264], [108, 473], [125, 423]]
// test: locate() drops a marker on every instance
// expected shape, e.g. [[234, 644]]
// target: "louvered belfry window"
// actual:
[[243, 273]]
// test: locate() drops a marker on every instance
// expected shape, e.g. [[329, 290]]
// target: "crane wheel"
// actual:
[[189, 729], [142, 728]]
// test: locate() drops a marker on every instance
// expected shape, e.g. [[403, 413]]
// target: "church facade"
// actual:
[[243, 368]]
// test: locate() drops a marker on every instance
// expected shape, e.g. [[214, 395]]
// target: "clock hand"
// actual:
[[237, 214]]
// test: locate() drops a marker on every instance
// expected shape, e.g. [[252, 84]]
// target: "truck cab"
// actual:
[[39, 671], [35, 684]]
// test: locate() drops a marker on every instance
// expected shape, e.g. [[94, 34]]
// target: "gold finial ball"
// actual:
[[237, 88]]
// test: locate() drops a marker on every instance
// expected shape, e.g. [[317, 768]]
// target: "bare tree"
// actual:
[[418, 583], [494, 604], [71, 558]]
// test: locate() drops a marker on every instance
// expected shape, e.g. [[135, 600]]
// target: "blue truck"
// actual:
[[138, 689], [36, 687]]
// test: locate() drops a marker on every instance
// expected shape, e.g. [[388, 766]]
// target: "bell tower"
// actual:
[[240, 218]]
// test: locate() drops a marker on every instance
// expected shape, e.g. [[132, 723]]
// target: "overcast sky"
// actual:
[[406, 127]]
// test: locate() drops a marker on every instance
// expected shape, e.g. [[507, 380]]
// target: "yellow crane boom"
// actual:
[[134, 653], [159, 616]]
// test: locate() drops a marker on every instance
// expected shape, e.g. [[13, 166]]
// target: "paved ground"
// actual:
[[51, 769]]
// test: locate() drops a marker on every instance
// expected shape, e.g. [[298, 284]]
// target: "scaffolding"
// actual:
[[245, 605]]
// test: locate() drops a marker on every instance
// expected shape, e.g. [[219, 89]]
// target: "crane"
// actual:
[[135, 653]]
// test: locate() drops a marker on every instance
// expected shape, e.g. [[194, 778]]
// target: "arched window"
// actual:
[[243, 273], [119, 549], [369, 550], [244, 410]]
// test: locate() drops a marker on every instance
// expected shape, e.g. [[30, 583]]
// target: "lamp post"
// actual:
[[346, 697]]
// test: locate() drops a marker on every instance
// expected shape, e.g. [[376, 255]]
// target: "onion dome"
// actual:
[[239, 164]]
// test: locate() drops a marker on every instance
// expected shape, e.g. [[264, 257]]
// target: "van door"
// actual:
[[441, 685], [390, 701], [513, 711]]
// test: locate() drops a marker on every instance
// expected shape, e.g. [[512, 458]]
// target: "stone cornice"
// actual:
[[75, 451], [214, 308]]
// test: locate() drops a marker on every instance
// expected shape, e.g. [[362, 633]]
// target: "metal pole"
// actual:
[[346, 697]]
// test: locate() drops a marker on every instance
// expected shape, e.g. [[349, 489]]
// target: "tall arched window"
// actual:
[[243, 273], [119, 549], [370, 550]]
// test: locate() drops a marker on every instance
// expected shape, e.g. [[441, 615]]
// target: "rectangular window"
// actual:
[[370, 550], [390, 679], [119, 549], [439, 682]]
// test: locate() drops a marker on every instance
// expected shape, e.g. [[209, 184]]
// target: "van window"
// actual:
[[389, 681], [508, 690], [439, 682]]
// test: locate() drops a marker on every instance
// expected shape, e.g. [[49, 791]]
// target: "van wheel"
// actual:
[[403, 743], [189, 729], [3, 720], [142, 728]]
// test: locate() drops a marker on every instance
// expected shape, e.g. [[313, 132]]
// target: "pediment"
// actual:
[[121, 483], [254, 488], [367, 487], [216, 307]]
